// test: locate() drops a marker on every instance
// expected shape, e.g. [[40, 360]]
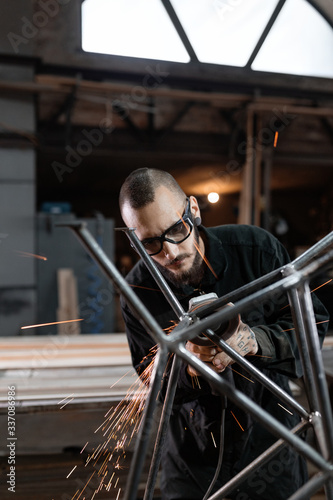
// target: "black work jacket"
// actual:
[[238, 255]]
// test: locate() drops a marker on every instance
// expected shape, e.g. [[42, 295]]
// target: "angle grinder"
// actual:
[[220, 328]]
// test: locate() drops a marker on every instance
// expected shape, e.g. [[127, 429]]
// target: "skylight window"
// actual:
[[134, 28], [299, 43], [224, 32], [220, 32]]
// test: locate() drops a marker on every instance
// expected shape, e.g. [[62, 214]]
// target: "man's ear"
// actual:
[[195, 210]]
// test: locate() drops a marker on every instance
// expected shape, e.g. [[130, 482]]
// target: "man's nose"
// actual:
[[170, 250]]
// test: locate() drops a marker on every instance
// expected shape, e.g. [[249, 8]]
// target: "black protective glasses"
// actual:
[[176, 234]]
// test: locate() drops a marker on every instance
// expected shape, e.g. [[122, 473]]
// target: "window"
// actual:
[[223, 32], [135, 28]]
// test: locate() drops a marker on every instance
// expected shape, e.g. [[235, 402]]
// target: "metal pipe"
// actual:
[[329, 489], [259, 376], [317, 366], [285, 284], [296, 265], [312, 486], [162, 430], [142, 442], [308, 374], [249, 406], [256, 463], [109, 269], [159, 278], [321, 246]]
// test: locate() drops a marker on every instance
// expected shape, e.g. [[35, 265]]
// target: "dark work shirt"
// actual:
[[238, 255]]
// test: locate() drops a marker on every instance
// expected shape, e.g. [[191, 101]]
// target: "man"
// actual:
[[169, 226]]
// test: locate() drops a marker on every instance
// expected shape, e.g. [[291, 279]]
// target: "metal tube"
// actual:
[[256, 463], [329, 489], [308, 374], [317, 366], [248, 405], [267, 279], [162, 430], [259, 376], [227, 313], [311, 487], [169, 295], [96, 252], [285, 284], [321, 246], [141, 445]]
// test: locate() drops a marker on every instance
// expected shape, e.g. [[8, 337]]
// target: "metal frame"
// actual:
[[293, 279]]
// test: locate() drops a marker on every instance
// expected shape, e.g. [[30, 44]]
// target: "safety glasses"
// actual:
[[175, 234]]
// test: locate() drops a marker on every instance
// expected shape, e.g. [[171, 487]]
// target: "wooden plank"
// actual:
[[68, 303]]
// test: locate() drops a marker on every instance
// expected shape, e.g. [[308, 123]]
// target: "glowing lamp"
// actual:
[[213, 197]]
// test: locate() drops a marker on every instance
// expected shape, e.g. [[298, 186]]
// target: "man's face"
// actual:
[[181, 264]]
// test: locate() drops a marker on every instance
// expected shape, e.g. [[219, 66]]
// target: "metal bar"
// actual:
[[248, 405], [142, 442], [285, 284], [168, 294], [227, 313], [265, 33], [180, 30], [256, 463], [162, 430], [258, 375], [329, 489], [296, 265], [308, 375], [97, 253], [317, 366], [321, 246], [311, 487]]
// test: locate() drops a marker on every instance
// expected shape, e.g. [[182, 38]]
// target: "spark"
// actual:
[[259, 355], [236, 420], [329, 281], [129, 371], [53, 323], [323, 284], [27, 254], [285, 409], [242, 375], [63, 406], [86, 485], [213, 440], [59, 403], [318, 323], [84, 446], [71, 471], [154, 289], [276, 138], [118, 493], [204, 258]]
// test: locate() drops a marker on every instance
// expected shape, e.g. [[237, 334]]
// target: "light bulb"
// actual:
[[213, 197]]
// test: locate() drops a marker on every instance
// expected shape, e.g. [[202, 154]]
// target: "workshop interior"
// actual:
[[234, 98]]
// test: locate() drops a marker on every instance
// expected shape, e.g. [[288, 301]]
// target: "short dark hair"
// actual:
[[139, 187]]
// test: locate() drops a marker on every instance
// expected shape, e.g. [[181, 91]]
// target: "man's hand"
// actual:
[[242, 340]]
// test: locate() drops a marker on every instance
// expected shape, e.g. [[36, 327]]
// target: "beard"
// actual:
[[192, 276]]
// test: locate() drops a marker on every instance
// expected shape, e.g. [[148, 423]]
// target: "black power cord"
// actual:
[[221, 450]]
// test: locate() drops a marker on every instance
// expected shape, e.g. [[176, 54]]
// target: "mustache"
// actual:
[[177, 259]]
